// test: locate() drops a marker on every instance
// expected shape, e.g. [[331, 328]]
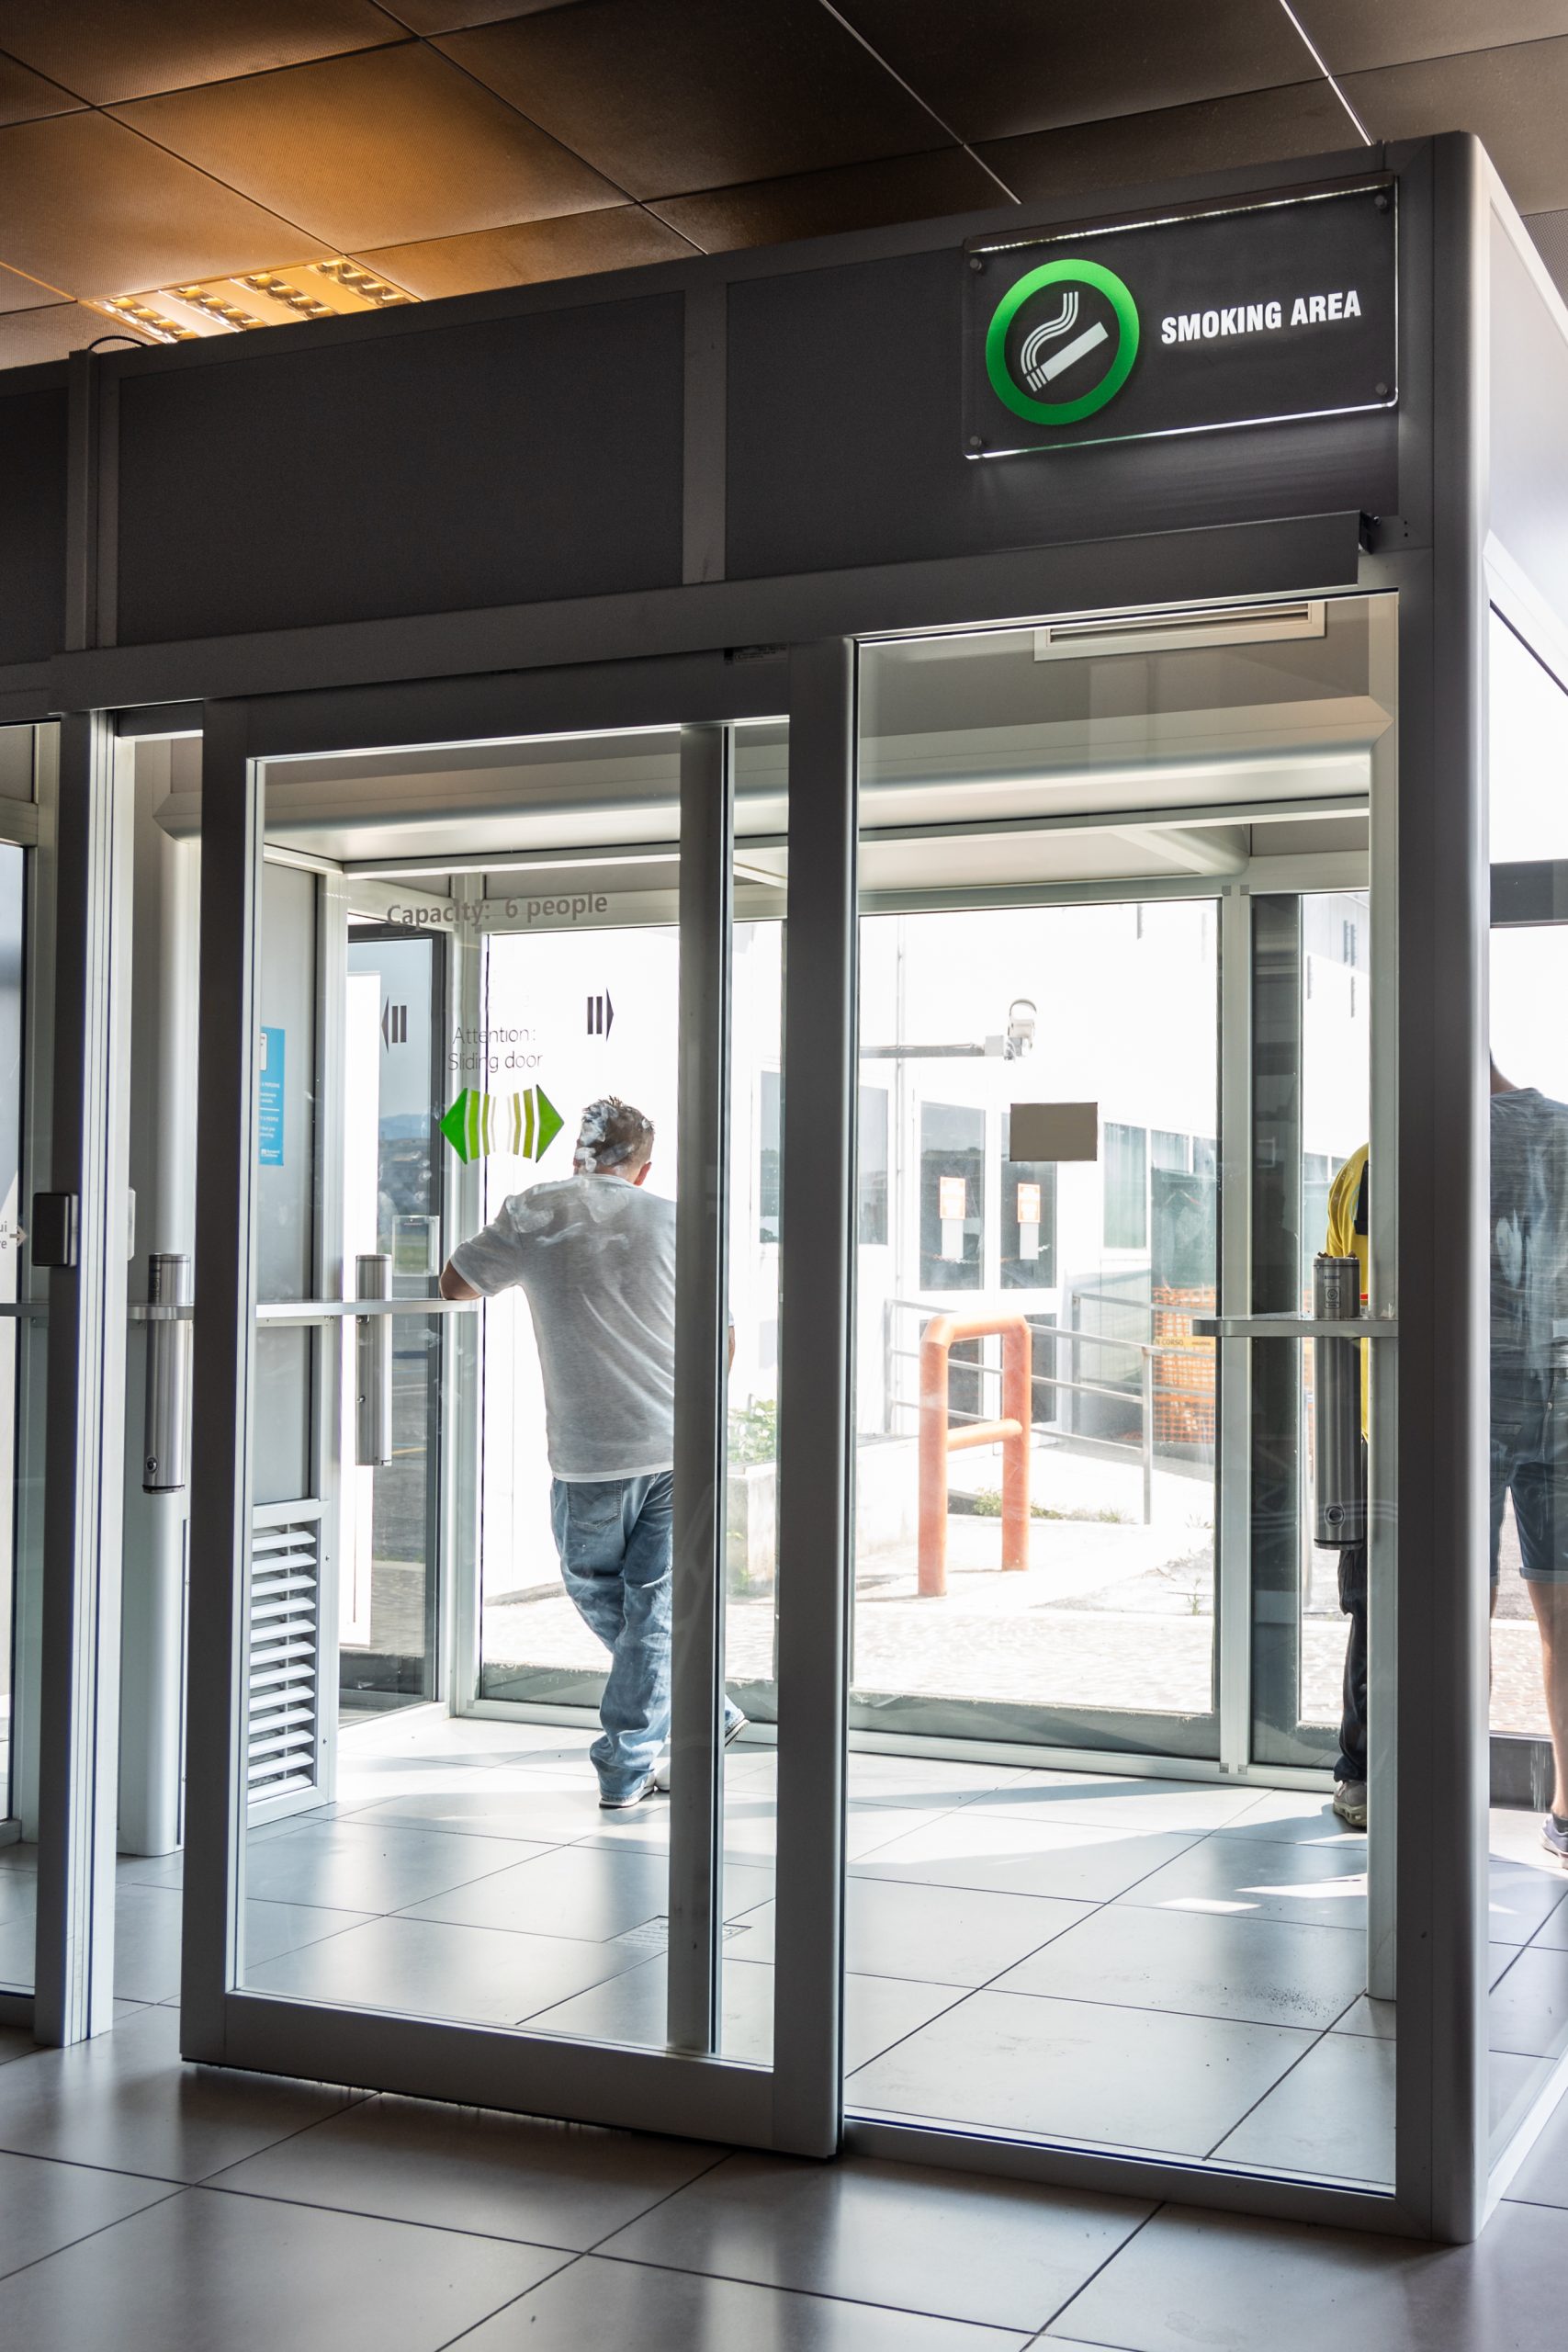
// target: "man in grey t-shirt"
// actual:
[[595, 1255]]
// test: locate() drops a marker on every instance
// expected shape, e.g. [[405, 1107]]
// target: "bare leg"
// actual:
[[1550, 1604]]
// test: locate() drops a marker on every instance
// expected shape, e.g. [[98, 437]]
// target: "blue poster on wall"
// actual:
[[269, 1124]]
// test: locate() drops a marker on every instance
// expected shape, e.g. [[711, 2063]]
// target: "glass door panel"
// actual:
[[1115, 986]]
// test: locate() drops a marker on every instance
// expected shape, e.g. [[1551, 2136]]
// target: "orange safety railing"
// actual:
[[938, 1439]]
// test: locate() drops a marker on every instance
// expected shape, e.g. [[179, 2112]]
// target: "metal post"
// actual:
[[1147, 1358], [700, 1323], [373, 1364], [73, 1991], [816, 1400]]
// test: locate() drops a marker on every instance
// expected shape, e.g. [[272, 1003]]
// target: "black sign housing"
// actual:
[[1255, 313]]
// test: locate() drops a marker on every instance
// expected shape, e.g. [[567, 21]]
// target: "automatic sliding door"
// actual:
[[481, 1876]]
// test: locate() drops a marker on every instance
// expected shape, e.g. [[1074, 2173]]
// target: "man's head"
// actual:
[[615, 1140]]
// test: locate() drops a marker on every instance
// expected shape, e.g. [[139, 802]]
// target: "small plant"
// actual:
[[986, 1502], [753, 1433]]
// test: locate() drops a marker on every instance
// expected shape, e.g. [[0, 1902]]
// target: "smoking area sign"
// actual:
[[1277, 309]]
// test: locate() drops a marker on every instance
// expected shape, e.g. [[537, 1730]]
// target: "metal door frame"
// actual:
[[792, 2105]]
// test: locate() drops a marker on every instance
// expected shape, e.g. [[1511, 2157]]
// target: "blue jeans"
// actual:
[[613, 1536]]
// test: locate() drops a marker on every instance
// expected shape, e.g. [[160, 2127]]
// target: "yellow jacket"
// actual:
[[1349, 1237]]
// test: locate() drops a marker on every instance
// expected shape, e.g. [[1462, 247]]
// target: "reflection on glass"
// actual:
[[1529, 1387], [21, 1360]]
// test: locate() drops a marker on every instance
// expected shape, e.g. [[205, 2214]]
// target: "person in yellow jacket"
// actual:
[[1347, 1238]]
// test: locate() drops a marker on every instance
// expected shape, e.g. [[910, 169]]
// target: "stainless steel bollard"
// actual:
[[373, 1363], [165, 1450], [1340, 1461]]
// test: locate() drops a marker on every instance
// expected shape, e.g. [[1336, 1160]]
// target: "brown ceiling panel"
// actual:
[[1263, 127], [87, 205], [996, 68], [667, 95], [1516, 101], [624, 237], [456, 16], [29, 336], [25, 95], [1549, 231], [1351, 35], [127, 49], [19, 293], [818, 204], [380, 149]]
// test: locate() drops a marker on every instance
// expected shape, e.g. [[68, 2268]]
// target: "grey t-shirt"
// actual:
[[596, 1258]]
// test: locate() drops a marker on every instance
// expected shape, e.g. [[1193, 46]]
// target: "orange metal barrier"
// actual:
[[938, 1439]]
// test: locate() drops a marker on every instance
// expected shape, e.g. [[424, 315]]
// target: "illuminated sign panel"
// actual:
[[1260, 314]]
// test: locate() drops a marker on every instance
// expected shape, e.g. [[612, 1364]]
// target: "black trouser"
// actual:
[[1351, 1764]]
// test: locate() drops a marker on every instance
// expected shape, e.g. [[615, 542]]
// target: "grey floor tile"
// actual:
[[1252, 1878], [17, 1949], [357, 1865], [1332, 2116], [273, 1928], [927, 1782], [126, 2102], [46, 2206], [1079, 2071], [1265, 1971], [15, 2041], [878, 2011], [1094, 1798], [998, 2252], [1529, 2008], [936, 1935], [625, 2304], [536, 1808], [1231, 2285], [586, 1891], [147, 1928], [501, 2175], [1513, 2084], [1068, 1859], [202, 2270], [751, 1829], [1525, 1898], [151, 1870], [1542, 2179], [1296, 1817], [1552, 1933], [425, 1968]]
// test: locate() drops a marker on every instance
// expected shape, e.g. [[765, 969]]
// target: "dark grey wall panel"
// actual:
[[32, 522], [846, 448], [505, 461]]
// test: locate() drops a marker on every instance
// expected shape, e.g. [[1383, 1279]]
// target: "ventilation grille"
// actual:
[[285, 1660]]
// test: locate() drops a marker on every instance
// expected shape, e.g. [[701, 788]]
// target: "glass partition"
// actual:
[[1115, 1003], [1528, 808]]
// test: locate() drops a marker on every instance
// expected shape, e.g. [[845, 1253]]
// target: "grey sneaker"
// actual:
[[650, 1788], [1350, 1803], [661, 1770], [1554, 1836]]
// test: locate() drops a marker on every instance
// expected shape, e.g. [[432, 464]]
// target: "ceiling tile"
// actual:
[[667, 95], [125, 49], [1549, 231], [621, 238], [1350, 35], [993, 68], [87, 205], [454, 15], [25, 95], [1263, 127], [818, 204], [380, 149], [1516, 101], [19, 293], [29, 336]]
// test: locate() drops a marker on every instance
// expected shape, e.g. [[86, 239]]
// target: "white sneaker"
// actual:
[[1350, 1803], [661, 1770], [650, 1788]]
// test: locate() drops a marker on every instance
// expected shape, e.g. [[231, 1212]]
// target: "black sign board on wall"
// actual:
[[1253, 314]]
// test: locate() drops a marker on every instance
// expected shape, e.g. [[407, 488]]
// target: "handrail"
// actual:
[[938, 1439]]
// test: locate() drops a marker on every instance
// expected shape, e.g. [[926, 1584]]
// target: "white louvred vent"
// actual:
[[283, 1657]]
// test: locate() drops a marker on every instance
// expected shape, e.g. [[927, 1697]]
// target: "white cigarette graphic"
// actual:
[[1039, 376]]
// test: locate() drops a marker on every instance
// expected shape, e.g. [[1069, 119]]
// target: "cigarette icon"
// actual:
[[1038, 372]]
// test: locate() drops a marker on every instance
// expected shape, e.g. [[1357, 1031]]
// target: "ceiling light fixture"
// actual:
[[263, 298]]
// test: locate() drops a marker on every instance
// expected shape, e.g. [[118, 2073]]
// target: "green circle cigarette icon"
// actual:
[[1057, 342]]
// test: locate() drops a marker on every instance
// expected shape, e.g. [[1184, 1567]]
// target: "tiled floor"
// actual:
[[1157, 1965]]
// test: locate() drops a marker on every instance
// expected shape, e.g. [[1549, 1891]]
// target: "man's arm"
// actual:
[[456, 1286]]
